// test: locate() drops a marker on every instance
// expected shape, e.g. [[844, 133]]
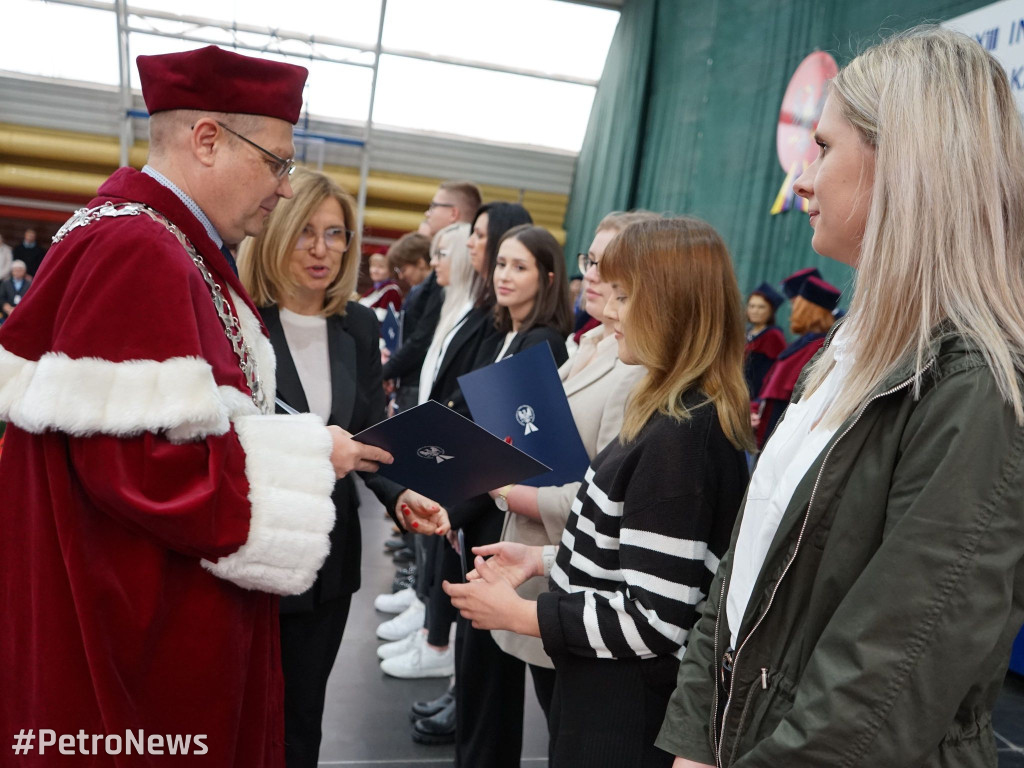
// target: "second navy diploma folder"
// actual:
[[522, 398], [445, 456], [391, 330]]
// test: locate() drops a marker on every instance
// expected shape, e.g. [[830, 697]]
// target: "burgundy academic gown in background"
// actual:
[[780, 380], [758, 356], [111, 621]]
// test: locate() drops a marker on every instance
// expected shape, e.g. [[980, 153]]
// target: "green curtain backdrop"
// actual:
[[684, 118]]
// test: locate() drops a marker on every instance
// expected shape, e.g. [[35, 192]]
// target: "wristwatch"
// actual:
[[501, 500]]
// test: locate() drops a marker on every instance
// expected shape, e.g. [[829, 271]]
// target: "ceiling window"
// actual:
[[445, 69]]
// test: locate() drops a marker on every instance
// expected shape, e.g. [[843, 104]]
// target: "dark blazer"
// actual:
[[32, 257], [480, 520], [537, 335], [8, 292], [472, 342], [357, 402], [422, 311]]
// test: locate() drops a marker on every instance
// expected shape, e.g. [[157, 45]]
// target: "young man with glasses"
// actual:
[[154, 507], [454, 201]]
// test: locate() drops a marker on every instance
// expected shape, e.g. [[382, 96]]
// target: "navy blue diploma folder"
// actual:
[[445, 456], [391, 330], [522, 398]]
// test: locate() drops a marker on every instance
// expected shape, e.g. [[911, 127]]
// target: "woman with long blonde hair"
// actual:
[[654, 512], [866, 611]]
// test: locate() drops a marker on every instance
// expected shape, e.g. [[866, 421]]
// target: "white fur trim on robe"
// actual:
[[88, 395], [288, 466]]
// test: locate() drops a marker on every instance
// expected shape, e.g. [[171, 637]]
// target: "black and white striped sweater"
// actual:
[[642, 544]]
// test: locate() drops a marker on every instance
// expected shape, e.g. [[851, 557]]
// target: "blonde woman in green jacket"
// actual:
[[865, 612]]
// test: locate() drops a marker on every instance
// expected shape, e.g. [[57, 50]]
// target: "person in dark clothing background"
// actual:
[[30, 252], [409, 257], [765, 339], [13, 288]]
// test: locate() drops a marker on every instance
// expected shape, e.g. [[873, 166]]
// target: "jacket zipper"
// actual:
[[775, 591]]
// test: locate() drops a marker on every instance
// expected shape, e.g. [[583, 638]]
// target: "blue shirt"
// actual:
[[189, 203]]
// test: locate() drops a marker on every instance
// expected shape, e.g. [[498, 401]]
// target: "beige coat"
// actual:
[[597, 397]]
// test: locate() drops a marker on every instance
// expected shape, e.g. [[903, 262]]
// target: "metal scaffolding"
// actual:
[[132, 19]]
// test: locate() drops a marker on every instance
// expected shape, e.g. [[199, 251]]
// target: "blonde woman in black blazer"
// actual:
[[301, 271]]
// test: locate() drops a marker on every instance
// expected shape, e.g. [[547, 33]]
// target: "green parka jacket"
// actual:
[[880, 627]]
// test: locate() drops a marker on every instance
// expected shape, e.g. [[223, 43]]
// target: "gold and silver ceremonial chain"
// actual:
[[232, 328]]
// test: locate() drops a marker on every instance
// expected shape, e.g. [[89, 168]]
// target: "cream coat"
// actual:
[[597, 396]]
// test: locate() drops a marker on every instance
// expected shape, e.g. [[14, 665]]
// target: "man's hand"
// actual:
[[421, 515], [490, 602], [515, 563], [348, 454]]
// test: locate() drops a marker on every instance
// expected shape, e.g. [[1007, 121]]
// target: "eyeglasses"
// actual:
[[335, 239], [281, 166], [434, 205], [585, 262]]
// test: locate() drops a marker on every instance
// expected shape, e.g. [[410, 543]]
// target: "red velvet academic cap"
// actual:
[[214, 80]]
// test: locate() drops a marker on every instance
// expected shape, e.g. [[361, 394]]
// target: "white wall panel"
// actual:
[[69, 106]]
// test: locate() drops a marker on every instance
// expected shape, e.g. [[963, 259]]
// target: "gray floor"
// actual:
[[366, 722]]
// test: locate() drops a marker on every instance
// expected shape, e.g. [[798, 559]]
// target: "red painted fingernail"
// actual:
[[508, 439], [405, 511], [415, 524], [405, 506]]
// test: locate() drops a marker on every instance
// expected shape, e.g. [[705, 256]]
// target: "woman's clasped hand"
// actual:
[[488, 598], [422, 515]]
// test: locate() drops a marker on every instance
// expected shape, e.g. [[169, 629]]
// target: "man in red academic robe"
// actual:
[[153, 506]]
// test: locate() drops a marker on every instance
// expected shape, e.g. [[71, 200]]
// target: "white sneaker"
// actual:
[[398, 647], [404, 623], [421, 661], [395, 602]]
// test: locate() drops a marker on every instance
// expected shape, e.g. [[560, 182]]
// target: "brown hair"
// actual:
[[468, 195], [263, 260], [684, 322], [807, 317], [552, 307], [409, 249]]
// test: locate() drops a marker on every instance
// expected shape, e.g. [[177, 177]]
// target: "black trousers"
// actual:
[[309, 645], [606, 713], [489, 695], [421, 546], [445, 566]]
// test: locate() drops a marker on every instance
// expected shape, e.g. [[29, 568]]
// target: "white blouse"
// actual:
[[504, 347], [797, 442], [307, 341]]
